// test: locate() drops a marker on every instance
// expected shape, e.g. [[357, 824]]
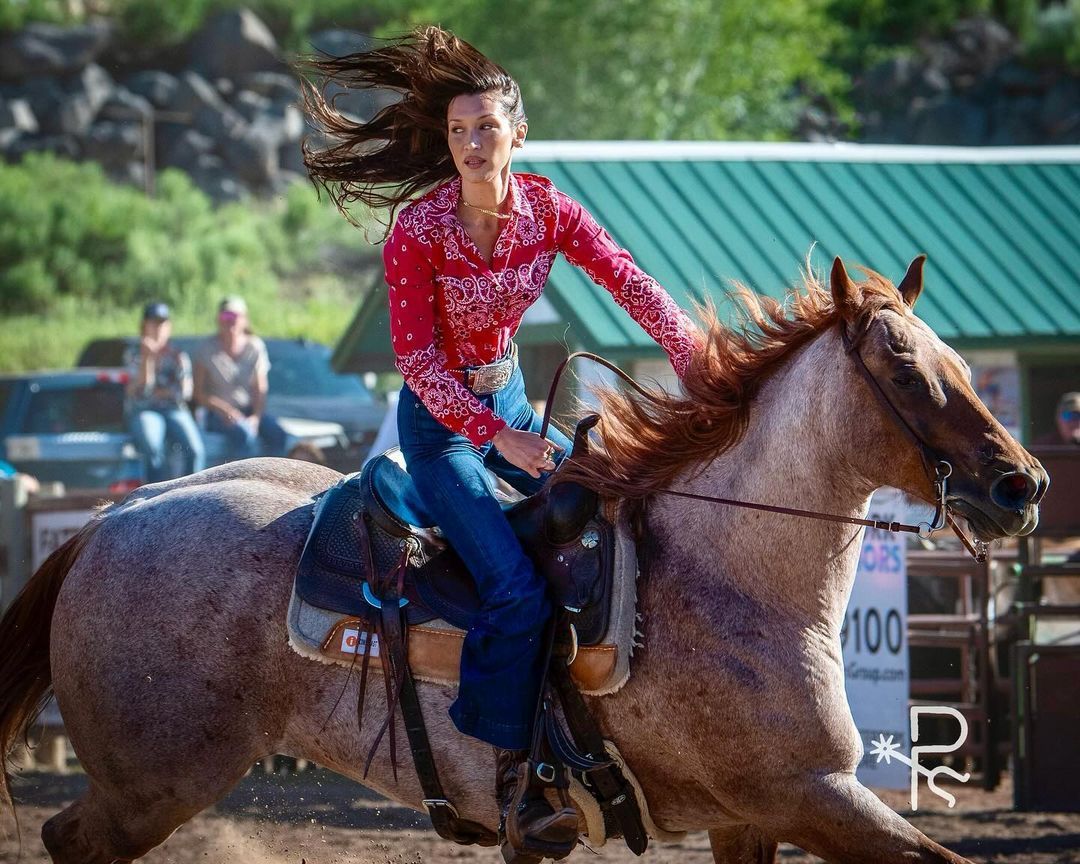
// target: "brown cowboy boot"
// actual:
[[530, 829]]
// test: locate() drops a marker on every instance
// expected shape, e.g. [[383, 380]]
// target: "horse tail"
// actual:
[[25, 676]]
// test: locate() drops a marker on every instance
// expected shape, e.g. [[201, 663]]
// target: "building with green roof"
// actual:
[[1001, 227]]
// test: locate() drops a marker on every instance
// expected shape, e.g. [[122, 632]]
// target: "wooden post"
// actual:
[[57, 752], [14, 493]]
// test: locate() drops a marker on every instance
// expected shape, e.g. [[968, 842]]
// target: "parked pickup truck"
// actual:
[[303, 385], [69, 427]]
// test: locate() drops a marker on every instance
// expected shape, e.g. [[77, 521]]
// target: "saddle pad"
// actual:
[[328, 636], [329, 580]]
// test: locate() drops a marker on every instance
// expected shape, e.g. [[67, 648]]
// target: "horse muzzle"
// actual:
[[1008, 508]]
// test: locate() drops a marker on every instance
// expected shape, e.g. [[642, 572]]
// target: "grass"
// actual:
[[317, 308], [80, 256]]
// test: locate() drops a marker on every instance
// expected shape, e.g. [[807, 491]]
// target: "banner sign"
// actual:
[[50, 528], [874, 640]]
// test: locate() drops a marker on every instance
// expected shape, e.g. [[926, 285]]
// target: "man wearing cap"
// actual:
[[231, 381], [1067, 419], [158, 390]]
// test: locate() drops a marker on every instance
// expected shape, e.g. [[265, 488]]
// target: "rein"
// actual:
[[938, 468]]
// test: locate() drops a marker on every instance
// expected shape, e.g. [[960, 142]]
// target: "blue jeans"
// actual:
[[155, 428], [502, 658], [244, 442]]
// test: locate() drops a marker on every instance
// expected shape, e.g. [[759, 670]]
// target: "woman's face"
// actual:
[[231, 324], [481, 136], [157, 330]]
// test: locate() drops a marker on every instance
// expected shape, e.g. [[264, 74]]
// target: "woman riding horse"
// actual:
[[463, 263]]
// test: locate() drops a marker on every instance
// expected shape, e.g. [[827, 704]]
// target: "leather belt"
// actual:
[[491, 377]]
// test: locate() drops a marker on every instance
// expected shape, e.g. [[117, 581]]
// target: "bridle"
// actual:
[[938, 469]]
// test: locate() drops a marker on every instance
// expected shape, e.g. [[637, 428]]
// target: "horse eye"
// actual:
[[906, 381]]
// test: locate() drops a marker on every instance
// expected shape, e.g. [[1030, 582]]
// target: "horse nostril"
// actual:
[[1012, 491]]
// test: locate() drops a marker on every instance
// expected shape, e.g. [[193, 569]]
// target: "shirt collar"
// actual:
[[519, 201]]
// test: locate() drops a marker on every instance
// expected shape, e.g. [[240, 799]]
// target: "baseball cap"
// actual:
[[155, 312], [236, 305], [1069, 402]]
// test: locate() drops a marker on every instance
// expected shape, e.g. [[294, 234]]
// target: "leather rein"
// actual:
[[937, 469]]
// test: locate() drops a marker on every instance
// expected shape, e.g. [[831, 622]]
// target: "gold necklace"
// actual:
[[494, 213]]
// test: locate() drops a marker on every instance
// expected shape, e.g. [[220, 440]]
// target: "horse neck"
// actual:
[[806, 446]]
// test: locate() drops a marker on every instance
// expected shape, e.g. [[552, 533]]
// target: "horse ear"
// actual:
[[911, 285], [845, 294]]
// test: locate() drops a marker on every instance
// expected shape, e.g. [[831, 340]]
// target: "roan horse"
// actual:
[[167, 646]]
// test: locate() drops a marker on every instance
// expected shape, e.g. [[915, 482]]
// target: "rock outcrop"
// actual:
[[229, 117], [227, 111]]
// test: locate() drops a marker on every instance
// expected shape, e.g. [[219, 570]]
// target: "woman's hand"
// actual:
[[525, 450]]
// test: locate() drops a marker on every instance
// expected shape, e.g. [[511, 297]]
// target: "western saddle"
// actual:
[[374, 552]]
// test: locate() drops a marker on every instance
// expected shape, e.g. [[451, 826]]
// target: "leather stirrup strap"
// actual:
[[444, 817], [615, 793]]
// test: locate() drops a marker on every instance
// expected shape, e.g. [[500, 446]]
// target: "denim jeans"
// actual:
[[244, 441], [154, 428], [502, 658]]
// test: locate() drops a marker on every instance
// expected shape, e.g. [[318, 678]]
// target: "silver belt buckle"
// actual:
[[492, 377]]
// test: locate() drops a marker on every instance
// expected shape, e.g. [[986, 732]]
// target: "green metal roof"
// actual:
[[1001, 227]]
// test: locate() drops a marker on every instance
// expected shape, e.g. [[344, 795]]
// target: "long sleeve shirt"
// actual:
[[450, 309]]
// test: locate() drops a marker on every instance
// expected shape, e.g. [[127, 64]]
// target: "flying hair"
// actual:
[[402, 151]]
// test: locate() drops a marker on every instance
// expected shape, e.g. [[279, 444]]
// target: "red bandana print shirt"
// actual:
[[450, 309]]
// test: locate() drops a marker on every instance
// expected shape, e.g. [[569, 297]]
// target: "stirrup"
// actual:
[[533, 828]]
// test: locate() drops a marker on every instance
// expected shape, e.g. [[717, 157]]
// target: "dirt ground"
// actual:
[[318, 817]]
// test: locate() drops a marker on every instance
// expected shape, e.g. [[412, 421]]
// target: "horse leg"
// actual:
[[742, 844], [837, 818], [122, 823]]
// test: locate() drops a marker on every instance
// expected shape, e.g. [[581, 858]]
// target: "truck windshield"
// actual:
[[305, 371], [55, 411]]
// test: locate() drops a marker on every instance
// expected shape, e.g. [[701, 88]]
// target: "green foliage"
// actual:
[[1049, 31], [160, 24], [876, 27], [1053, 36], [651, 68], [75, 246], [18, 13], [153, 24], [606, 69]]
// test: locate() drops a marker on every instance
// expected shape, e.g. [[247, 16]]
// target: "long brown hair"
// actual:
[[402, 150], [648, 440]]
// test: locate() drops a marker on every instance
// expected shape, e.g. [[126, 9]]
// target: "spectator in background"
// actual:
[[1068, 418], [9, 472], [158, 391], [1067, 421], [231, 382]]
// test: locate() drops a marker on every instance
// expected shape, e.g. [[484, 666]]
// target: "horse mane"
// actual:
[[646, 440]]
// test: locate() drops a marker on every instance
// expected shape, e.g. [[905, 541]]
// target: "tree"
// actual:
[[651, 69]]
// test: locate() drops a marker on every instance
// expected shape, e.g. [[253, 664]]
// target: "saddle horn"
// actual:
[[581, 434], [570, 505]]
